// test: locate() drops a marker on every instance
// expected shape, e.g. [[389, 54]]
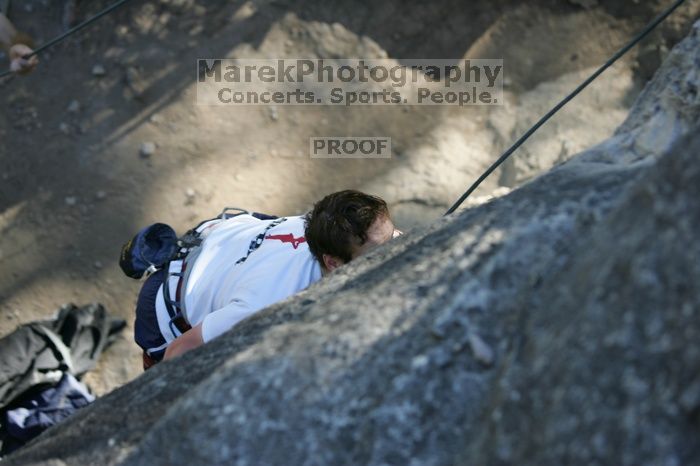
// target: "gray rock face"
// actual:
[[555, 325]]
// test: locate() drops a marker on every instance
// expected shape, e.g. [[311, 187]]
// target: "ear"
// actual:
[[331, 262]]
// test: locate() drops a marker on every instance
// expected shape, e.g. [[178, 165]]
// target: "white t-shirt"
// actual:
[[220, 293]]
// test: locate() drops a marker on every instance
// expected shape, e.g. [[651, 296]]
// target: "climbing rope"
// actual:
[[70, 32], [566, 100], [645, 32]]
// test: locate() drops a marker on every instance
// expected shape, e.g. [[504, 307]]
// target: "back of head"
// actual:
[[340, 221]]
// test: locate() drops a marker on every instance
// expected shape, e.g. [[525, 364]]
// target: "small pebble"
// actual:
[[419, 362], [147, 149], [64, 128], [73, 106], [100, 195], [71, 200], [97, 264], [99, 70], [481, 350]]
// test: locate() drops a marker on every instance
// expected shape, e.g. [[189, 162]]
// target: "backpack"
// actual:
[[148, 251], [155, 246]]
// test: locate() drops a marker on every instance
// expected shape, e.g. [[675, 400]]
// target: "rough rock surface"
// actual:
[[73, 187], [555, 325]]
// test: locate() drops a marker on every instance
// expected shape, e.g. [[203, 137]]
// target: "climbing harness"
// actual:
[[659, 19], [190, 249]]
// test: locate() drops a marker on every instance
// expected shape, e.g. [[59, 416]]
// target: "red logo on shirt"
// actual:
[[288, 238]]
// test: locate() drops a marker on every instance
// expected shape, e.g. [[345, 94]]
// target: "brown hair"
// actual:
[[340, 219]]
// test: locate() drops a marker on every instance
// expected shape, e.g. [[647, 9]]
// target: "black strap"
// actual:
[[169, 303], [173, 307], [192, 238], [177, 319], [257, 242]]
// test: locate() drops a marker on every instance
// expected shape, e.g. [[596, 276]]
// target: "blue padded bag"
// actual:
[[150, 249]]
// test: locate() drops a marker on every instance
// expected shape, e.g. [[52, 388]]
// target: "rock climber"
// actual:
[[248, 262]]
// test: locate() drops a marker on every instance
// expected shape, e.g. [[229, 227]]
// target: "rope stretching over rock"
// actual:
[[565, 101], [645, 32]]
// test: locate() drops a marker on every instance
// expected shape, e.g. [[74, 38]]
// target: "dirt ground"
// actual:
[[74, 187]]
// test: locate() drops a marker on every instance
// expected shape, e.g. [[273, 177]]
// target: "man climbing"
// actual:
[[246, 263], [16, 45]]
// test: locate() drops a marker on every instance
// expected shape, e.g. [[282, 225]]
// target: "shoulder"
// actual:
[[297, 222]]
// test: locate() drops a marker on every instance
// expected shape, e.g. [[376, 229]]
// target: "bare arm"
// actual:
[[185, 342], [218, 322]]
